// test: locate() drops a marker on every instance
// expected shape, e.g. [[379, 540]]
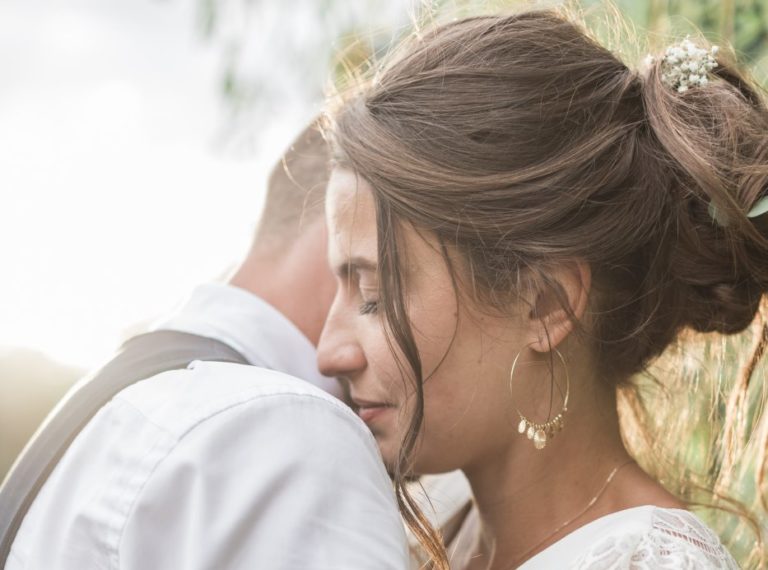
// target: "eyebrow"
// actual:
[[355, 264]]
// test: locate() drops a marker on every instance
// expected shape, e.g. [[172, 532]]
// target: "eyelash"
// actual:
[[369, 308]]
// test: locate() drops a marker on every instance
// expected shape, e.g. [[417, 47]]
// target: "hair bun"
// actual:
[[714, 137], [725, 308]]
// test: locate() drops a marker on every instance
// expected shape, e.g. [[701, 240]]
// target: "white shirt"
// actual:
[[220, 466], [251, 326]]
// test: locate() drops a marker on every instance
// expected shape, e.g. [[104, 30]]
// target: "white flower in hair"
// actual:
[[686, 65]]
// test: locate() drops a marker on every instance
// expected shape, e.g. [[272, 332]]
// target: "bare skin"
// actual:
[[295, 279], [470, 421]]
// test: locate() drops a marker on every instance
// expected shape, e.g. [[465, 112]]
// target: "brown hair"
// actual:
[[521, 142]]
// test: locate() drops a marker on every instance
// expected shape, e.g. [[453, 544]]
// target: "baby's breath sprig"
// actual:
[[686, 65]]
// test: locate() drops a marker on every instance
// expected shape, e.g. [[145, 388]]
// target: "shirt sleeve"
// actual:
[[285, 482], [675, 539]]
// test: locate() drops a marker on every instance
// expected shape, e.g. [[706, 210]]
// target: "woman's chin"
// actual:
[[389, 451], [421, 465]]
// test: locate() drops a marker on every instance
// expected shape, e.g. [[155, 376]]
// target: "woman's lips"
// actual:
[[370, 410], [370, 413]]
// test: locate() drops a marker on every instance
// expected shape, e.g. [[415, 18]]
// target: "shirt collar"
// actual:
[[251, 326]]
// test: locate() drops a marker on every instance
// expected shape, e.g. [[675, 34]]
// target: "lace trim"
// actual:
[[677, 540]]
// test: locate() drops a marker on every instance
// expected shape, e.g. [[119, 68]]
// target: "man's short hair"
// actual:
[[296, 189]]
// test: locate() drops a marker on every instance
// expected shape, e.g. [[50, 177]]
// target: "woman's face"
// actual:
[[466, 355]]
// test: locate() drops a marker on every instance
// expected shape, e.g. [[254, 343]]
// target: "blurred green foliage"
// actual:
[[696, 422], [345, 34], [739, 24], [643, 26]]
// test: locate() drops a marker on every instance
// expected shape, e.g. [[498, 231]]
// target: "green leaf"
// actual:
[[759, 209]]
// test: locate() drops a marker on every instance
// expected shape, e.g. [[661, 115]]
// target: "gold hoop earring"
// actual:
[[542, 433]]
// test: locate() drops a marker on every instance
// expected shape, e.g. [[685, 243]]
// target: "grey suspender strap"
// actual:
[[139, 358]]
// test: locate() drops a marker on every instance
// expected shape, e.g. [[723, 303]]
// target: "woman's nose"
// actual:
[[339, 353]]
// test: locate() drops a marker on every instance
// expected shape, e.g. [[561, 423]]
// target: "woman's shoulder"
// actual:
[[650, 538]]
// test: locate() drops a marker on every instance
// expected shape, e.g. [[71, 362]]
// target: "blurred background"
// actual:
[[135, 142]]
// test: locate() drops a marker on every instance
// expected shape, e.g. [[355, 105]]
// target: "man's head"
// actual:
[[295, 193], [286, 265]]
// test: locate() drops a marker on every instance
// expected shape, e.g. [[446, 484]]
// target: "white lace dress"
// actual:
[[640, 538], [650, 537]]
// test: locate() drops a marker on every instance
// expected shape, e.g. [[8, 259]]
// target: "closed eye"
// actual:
[[369, 307]]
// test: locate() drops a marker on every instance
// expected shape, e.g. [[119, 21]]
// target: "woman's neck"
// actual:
[[524, 495]]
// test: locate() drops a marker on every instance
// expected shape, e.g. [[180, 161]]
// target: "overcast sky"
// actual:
[[117, 194], [115, 199]]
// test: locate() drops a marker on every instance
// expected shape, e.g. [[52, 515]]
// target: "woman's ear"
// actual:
[[560, 301]]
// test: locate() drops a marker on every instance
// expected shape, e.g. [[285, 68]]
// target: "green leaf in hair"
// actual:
[[759, 209]]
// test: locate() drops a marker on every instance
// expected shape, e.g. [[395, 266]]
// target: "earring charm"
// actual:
[[541, 433]]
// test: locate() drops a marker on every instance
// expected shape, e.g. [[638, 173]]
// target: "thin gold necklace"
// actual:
[[591, 503]]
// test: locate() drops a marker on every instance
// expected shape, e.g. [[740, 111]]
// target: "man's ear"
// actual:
[[560, 300]]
